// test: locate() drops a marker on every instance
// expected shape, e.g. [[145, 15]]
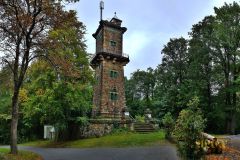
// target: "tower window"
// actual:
[[113, 74], [113, 43], [113, 94]]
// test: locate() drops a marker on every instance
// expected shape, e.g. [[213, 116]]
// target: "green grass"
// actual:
[[40, 143], [125, 139], [22, 155]]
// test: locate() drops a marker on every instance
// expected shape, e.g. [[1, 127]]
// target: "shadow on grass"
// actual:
[[22, 155]]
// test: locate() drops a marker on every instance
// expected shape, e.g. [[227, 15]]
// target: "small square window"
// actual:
[[113, 43], [113, 74], [113, 94]]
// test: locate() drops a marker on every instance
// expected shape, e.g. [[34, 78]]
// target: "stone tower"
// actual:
[[108, 63]]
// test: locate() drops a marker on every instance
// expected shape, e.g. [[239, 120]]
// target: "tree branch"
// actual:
[[8, 63]]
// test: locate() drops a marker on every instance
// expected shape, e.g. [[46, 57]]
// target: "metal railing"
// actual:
[[133, 119], [91, 57], [114, 52]]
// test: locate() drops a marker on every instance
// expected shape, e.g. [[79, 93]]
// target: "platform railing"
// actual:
[[114, 52]]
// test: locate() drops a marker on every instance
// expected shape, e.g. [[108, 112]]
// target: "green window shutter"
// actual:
[[113, 43], [113, 74], [113, 95], [110, 73], [110, 95], [116, 74]]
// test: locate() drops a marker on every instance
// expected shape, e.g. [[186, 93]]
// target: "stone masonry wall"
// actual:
[[97, 130], [105, 83], [109, 83], [115, 35]]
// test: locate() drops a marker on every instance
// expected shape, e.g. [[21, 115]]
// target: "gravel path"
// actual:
[[165, 152]]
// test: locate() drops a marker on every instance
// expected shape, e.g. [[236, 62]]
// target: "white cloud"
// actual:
[[90, 41], [219, 3], [135, 42]]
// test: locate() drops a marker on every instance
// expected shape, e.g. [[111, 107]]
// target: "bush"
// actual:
[[168, 123], [189, 125], [140, 118]]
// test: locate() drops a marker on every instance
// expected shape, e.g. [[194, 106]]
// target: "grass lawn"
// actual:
[[125, 139], [22, 155]]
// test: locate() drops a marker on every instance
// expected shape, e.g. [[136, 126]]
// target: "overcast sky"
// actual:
[[150, 23]]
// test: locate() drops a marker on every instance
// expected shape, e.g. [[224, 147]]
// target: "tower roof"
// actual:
[[113, 24], [116, 20]]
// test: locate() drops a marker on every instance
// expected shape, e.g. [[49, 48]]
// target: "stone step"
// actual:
[[145, 132], [143, 128], [149, 128]]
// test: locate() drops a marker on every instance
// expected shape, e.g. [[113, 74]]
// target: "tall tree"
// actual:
[[140, 90], [202, 72], [23, 26], [175, 58], [226, 44], [62, 93], [173, 73]]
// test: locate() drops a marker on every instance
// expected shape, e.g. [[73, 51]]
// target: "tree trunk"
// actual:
[[228, 106], [228, 111], [234, 98], [14, 122], [233, 123], [209, 96]]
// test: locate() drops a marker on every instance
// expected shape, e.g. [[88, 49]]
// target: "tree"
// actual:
[[189, 125], [168, 123], [175, 58], [207, 65], [140, 90], [226, 45], [23, 26], [61, 95], [54, 100], [217, 38], [144, 82], [5, 102], [172, 75], [203, 73]]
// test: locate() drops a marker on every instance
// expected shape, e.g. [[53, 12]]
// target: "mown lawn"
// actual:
[[125, 139], [22, 155]]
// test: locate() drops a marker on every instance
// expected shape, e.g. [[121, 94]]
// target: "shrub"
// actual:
[[140, 118], [189, 125], [168, 123]]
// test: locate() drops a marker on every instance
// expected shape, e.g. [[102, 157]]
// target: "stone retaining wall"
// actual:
[[101, 127]]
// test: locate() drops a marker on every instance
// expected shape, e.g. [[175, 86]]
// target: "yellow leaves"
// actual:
[[23, 95], [210, 146], [39, 92], [5, 117]]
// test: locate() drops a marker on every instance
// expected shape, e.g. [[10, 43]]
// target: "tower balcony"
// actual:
[[113, 51], [110, 55]]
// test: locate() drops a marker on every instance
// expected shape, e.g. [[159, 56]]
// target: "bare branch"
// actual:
[[8, 63]]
